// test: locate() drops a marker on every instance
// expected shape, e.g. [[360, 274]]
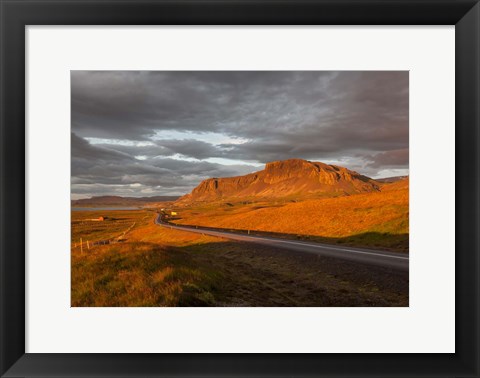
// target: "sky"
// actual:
[[149, 133]]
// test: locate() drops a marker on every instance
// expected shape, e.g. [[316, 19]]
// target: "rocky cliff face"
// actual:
[[287, 178]]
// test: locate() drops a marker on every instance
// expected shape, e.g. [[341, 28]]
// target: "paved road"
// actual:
[[398, 261]]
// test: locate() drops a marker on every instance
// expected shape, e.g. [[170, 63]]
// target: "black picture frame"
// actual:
[[17, 14]]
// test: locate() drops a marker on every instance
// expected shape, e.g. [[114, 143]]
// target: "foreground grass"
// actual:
[[157, 266], [141, 270], [138, 274]]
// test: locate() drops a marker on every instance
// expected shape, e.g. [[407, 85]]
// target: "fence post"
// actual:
[[81, 245], [88, 245]]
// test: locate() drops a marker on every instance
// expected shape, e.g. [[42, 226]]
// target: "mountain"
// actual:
[[293, 178], [120, 201]]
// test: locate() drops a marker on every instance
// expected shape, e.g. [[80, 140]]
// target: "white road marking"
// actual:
[[288, 242], [340, 249]]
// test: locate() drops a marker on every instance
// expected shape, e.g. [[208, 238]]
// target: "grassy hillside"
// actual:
[[374, 219]]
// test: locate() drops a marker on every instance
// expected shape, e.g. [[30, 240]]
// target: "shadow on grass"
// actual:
[[139, 274]]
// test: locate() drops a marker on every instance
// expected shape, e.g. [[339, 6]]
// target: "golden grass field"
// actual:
[[113, 226], [375, 220]]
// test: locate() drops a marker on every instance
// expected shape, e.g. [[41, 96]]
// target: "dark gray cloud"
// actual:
[[390, 159], [162, 132]]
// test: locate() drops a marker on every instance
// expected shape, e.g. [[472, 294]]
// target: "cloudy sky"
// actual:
[[160, 133]]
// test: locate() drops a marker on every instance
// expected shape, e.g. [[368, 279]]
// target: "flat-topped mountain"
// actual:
[[287, 178]]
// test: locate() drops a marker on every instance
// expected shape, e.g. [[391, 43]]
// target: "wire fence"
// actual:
[[87, 244]]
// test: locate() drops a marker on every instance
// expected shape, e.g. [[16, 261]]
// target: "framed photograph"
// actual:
[[266, 188], [179, 198]]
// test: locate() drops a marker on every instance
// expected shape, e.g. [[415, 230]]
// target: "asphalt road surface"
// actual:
[[398, 261]]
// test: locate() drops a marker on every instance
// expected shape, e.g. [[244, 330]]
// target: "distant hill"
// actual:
[[295, 178], [120, 201], [391, 179], [402, 183]]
